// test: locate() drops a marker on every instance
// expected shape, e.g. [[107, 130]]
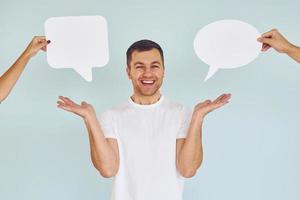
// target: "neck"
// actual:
[[145, 100]]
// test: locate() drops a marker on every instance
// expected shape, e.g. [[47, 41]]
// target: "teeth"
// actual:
[[149, 82]]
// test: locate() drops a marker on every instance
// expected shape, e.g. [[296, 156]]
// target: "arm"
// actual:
[[189, 150], [294, 52], [10, 77], [275, 40], [104, 152]]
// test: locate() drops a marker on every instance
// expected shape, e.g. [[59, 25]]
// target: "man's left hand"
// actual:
[[203, 108]]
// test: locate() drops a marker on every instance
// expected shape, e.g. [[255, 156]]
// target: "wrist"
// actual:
[[290, 49], [88, 117], [197, 118]]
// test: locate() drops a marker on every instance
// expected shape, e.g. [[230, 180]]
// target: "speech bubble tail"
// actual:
[[211, 72], [85, 73]]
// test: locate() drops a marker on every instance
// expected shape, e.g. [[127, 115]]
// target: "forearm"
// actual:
[[103, 156], [294, 52], [10, 77], [191, 153]]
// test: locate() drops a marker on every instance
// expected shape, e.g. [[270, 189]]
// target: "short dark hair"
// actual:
[[143, 45]]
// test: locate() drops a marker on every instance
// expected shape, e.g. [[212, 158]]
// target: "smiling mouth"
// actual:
[[147, 82]]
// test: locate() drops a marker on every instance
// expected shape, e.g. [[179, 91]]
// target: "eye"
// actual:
[[138, 66], [155, 66]]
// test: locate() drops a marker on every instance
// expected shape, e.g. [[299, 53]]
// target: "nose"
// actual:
[[147, 72]]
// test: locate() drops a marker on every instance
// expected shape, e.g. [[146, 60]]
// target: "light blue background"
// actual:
[[251, 146]]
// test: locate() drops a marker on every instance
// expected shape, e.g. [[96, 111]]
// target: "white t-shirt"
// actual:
[[146, 136]]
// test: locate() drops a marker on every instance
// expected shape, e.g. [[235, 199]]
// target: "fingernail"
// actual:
[[48, 41]]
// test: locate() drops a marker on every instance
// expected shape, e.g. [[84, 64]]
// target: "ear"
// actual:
[[128, 72]]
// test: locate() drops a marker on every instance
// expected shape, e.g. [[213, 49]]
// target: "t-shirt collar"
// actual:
[[136, 105]]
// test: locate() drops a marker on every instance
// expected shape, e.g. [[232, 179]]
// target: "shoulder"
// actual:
[[115, 110]]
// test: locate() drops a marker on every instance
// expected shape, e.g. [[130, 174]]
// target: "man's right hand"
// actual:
[[84, 110], [104, 151]]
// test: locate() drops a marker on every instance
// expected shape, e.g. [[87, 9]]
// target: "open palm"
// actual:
[[67, 104], [207, 106]]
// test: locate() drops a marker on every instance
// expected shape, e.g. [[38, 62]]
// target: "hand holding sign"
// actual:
[[226, 44], [77, 42]]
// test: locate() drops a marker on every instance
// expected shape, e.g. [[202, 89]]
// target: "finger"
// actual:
[[41, 37], [263, 46], [42, 44], [267, 41], [218, 105], [62, 98], [224, 98], [63, 104], [64, 108], [207, 101], [259, 39], [70, 101], [60, 103], [269, 33], [225, 102], [219, 98], [83, 103], [44, 48], [267, 48], [37, 39], [65, 100], [213, 106]]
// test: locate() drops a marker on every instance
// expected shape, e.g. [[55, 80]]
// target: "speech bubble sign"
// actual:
[[227, 44], [79, 42]]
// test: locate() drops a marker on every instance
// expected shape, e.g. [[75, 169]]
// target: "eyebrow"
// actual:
[[138, 63], [141, 63], [156, 62]]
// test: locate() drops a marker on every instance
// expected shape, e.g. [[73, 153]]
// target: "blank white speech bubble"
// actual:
[[78, 42], [226, 44]]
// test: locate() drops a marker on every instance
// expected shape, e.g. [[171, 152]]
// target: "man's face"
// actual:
[[146, 72]]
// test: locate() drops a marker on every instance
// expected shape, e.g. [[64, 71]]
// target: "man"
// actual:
[[148, 144], [274, 39], [10, 77]]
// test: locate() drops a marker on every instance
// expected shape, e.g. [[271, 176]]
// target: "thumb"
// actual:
[[83, 103]]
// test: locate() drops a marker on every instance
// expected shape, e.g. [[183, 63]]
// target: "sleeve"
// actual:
[[107, 125], [185, 119]]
